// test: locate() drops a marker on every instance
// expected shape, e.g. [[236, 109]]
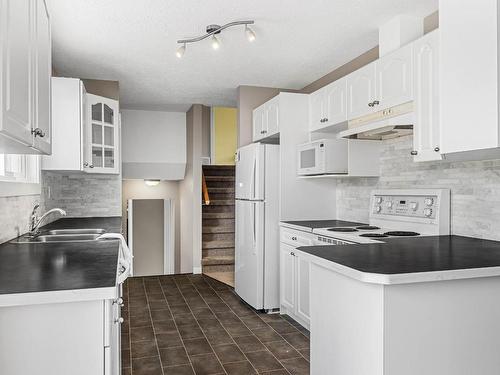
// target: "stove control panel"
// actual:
[[411, 206]]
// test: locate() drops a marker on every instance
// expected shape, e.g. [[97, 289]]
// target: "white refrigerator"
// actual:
[[257, 225]]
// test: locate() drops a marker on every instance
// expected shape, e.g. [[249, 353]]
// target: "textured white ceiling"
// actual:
[[134, 42]]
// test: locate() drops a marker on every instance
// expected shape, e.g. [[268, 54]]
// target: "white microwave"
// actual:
[[324, 156]]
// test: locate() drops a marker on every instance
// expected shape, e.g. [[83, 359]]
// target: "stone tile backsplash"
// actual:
[[474, 185], [82, 194], [15, 214], [79, 194]]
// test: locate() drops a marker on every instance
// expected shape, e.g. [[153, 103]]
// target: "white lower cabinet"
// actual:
[[77, 338], [287, 277], [294, 276]]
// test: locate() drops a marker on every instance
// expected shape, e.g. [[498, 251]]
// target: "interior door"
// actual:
[[361, 91], [287, 277], [148, 236], [16, 25], [394, 78], [249, 267]]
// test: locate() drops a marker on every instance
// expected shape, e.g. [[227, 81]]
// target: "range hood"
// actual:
[[389, 123]]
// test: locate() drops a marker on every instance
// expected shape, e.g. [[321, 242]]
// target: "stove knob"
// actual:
[[378, 200], [429, 201], [414, 206], [428, 212], [378, 209], [389, 204]]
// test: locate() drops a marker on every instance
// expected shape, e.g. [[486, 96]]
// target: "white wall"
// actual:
[[198, 119], [153, 144]]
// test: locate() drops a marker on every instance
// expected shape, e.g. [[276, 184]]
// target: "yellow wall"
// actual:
[[225, 135]]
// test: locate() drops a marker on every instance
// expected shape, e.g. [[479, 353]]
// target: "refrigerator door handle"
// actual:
[[254, 247], [252, 184]]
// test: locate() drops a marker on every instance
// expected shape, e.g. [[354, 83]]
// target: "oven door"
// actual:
[[309, 160]]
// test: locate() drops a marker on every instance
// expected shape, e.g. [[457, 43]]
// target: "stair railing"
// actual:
[[206, 197]]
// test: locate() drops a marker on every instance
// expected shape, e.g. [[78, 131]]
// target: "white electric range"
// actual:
[[395, 213]]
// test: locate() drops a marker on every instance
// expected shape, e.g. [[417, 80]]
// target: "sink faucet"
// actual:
[[35, 222]]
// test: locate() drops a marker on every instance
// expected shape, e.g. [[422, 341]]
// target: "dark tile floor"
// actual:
[[191, 324]]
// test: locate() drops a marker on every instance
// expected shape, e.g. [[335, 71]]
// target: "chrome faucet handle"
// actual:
[[33, 217]]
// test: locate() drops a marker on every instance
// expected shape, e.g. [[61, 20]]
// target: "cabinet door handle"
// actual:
[[294, 238], [326, 119], [292, 253], [414, 153], [371, 104], [85, 165], [37, 132], [436, 149], [376, 102], [91, 166], [119, 320]]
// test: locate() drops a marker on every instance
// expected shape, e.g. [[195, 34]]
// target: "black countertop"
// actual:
[[314, 224], [413, 255], [43, 267]]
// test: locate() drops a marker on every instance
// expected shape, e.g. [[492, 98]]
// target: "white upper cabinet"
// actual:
[[328, 106], [101, 153], [394, 84], [272, 114], [25, 77], [68, 122], [426, 137], [86, 130], [469, 78], [265, 120], [258, 123], [316, 112], [336, 102], [361, 92], [43, 72]]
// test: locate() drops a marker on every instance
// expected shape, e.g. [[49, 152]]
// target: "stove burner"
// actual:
[[342, 230], [373, 235], [402, 233], [367, 227]]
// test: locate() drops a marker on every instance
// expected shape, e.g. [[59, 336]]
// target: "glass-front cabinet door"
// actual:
[[102, 153]]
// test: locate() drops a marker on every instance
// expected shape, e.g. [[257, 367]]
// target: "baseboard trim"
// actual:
[[196, 270]]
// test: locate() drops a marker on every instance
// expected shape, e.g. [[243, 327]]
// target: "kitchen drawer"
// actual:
[[295, 238]]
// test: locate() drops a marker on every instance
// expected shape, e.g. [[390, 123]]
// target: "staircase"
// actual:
[[218, 223]]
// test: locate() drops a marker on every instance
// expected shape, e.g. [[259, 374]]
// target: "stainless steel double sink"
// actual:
[[62, 235]]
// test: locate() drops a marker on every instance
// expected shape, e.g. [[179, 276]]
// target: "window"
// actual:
[[19, 174]]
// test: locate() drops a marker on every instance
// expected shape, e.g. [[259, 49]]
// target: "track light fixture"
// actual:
[[214, 41]]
